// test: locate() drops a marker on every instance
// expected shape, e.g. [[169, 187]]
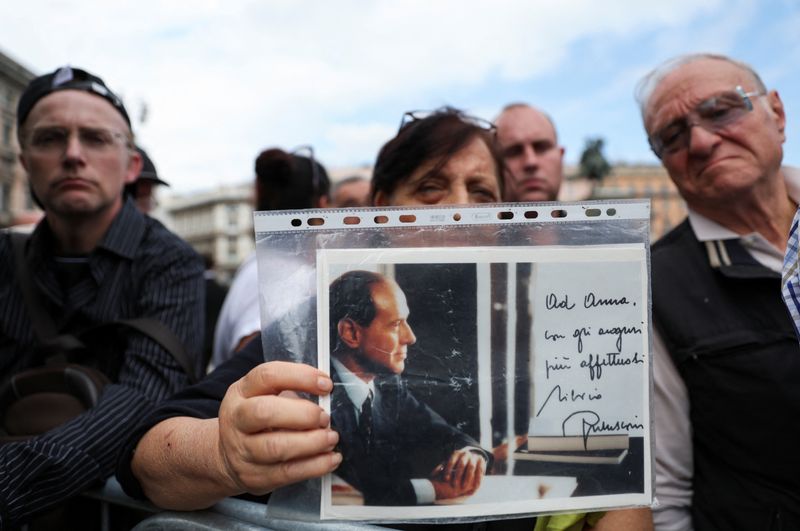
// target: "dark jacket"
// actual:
[[724, 323], [409, 441]]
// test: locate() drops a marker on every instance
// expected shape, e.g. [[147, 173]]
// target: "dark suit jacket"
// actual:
[[409, 441]]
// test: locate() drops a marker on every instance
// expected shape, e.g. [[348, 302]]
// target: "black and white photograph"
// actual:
[[485, 381]]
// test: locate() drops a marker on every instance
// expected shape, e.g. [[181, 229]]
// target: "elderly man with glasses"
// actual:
[[93, 259], [727, 364]]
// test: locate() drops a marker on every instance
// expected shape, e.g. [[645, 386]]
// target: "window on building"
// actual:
[[233, 215], [233, 247]]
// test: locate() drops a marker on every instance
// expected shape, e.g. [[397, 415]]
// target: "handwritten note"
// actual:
[[590, 348]]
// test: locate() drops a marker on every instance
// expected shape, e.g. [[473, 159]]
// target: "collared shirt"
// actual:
[[139, 269], [674, 455], [357, 389]]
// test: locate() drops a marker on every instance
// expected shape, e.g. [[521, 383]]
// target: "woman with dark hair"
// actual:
[[288, 181], [284, 181], [445, 157]]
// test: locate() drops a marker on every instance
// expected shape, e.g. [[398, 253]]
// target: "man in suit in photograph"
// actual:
[[396, 450]]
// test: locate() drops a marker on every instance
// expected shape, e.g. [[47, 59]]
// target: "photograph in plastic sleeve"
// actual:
[[485, 381]]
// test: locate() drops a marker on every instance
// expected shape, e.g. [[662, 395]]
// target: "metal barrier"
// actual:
[[229, 514], [200, 521]]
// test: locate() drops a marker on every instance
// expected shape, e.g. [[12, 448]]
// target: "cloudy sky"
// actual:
[[213, 82]]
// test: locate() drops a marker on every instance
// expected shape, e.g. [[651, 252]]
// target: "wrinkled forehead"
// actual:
[[681, 90]]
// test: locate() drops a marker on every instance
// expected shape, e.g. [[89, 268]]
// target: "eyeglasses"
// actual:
[[414, 116], [53, 141], [308, 150], [713, 114]]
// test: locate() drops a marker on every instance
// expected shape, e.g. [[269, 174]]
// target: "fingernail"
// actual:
[[336, 458], [333, 437], [324, 384], [324, 419]]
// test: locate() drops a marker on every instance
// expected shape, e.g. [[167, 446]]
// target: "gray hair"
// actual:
[[647, 85]]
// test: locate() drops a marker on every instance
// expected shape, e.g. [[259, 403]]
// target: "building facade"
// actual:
[[667, 207], [635, 181], [16, 205], [217, 223]]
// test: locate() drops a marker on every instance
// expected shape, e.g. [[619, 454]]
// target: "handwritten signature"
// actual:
[[592, 423]]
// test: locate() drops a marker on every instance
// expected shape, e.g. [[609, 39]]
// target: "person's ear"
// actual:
[[134, 167], [349, 332], [323, 201], [777, 111]]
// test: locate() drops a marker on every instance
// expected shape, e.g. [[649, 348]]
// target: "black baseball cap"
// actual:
[[64, 78], [148, 172]]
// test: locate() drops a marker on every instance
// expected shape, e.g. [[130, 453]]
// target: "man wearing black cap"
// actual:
[[141, 189], [93, 259]]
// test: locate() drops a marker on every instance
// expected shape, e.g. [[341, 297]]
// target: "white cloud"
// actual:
[[223, 79], [366, 138]]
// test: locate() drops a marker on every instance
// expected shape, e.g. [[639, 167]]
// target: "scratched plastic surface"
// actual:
[[441, 365]]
